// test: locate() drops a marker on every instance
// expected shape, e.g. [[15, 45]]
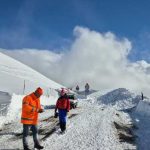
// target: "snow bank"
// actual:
[[142, 120], [14, 109], [51, 100], [4, 97], [120, 98], [143, 108]]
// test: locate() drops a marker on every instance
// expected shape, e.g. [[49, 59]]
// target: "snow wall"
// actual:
[[14, 109], [143, 108]]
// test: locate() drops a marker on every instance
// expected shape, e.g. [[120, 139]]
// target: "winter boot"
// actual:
[[38, 146], [61, 126], [26, 148]]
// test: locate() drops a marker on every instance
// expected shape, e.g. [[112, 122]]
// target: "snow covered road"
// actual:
[[91, 128]]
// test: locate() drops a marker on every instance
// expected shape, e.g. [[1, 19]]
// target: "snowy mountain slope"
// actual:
[[119, 98], [13, 74]]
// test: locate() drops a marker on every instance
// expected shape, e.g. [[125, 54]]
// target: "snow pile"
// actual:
[[120, 98], [94, 96], [14, 109], [143, 108], [97, 94], [4, 97]]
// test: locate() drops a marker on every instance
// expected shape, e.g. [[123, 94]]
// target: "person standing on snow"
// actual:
[[77, 88], [87, 87], [29, 118], [63, 106], [142, 96]]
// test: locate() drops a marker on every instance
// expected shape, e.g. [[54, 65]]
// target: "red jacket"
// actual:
[[63, 103]]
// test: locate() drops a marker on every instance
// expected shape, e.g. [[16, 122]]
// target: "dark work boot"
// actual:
[[61, 126], [26, 148], [38, 146]]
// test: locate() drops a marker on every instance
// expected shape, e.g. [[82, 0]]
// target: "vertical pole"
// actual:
[[24, 86]]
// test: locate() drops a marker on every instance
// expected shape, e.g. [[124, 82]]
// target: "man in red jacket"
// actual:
[[63, 106]]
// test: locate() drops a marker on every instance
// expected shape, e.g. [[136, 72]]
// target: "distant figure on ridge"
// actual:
[[87, 87], [142, 96], [77, 88]]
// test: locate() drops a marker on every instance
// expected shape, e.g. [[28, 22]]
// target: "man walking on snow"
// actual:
[[29, 118], [63, 106]]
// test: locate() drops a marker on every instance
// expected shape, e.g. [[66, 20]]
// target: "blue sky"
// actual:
[[47, 24]]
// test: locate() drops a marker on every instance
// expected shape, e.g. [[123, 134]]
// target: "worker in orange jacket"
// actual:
[[29, 118]]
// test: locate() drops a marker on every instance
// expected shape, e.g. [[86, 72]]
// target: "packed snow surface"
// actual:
[[92, 129]]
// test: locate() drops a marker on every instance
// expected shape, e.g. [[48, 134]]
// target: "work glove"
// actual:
[[56, 115], [40, 110]]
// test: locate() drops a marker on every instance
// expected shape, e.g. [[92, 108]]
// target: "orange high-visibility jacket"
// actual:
[[30, 105]]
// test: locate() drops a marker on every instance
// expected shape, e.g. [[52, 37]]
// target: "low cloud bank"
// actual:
[[101, 59]]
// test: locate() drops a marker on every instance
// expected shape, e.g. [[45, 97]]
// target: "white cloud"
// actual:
[[97, 58]]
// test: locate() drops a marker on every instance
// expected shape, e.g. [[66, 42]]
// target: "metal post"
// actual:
[[24, 86]]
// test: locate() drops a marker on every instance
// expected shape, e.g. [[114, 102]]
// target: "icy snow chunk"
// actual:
[[119, 98]]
